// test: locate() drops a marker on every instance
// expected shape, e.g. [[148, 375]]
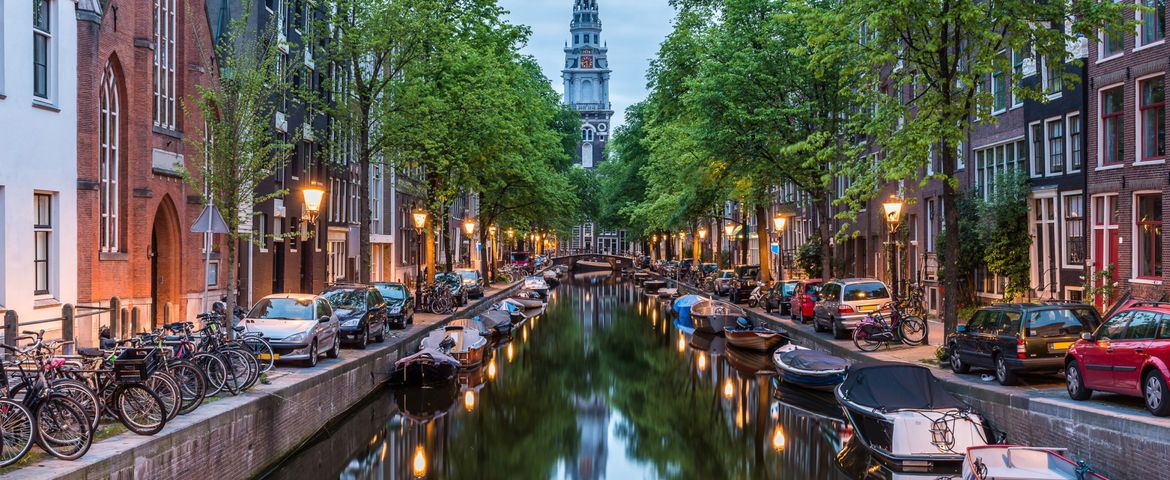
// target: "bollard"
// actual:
[[133, 316], [67, 326], [115, 312], [124, 330], [11, 325]]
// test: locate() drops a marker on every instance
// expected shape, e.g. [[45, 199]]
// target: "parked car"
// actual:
[[670, 268], [779, 297], [520, 259], [723, 281], [709, 268], [804, 297], [844, 303], [472, 282], [1016, 338], [362, 312], [455, 282], [296, 325], [399, 303], [742, 284], [1129, 354]]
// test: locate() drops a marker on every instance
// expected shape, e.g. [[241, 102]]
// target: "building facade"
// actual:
[[38, 164]]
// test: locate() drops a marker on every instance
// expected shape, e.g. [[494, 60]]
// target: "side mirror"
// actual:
[[961, 329], [1087, 336], [324, 319]]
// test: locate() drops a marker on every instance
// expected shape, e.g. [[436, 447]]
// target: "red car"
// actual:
[[521, 259], [1128, 354], [804, 297]]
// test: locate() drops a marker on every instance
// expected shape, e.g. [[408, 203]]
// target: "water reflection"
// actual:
[[603, 385]]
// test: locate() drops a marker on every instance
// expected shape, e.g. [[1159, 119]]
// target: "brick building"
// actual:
[[137, 63]]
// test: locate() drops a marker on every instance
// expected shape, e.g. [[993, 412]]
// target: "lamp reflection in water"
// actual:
[[682, 344], [728, 389], [491, 370], [469, 400], [509, 352], [419, 464], [778, 440], [702, 361]]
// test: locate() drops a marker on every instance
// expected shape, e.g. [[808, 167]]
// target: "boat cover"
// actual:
[[495, 318], [687, 301], [813, 360], [428, 354], [897, 386]]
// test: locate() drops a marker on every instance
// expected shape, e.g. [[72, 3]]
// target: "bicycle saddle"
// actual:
[[90, 352]]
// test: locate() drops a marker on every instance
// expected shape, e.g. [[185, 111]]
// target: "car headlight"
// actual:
[[395, 310], [297, 337], [353, 322]]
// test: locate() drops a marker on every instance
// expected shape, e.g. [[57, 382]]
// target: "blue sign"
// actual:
[[776, 248]]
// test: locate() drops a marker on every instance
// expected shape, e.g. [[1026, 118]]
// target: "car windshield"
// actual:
[[865, 291], [468, 274], [347, 298], [393, 292], [283, 309], [750, 272], [519, 256], [787, 288], [1060, 323], [710, 267]]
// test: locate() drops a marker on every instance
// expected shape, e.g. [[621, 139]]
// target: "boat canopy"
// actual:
[[813, 360], [897, 386], [687, 301]]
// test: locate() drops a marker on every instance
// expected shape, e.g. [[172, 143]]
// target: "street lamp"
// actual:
[[313, 196], [893, 211], [729, 229], [702, 239], [780, 222], [420, 224]]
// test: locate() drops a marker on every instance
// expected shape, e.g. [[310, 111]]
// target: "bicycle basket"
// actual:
[[136, 364]]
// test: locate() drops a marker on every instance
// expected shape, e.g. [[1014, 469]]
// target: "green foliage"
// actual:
[[1006, 238], [808, 257]]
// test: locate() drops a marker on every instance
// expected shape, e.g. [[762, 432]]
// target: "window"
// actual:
[[108, 162], [999, 92], [1111, 126], [587, 134], [164, 63], [1075, 154], [992, 161], [1114, 329], [1074, 229], [1052, 76], [262, 232], [1153, 119], [1056, 146], [42, 242], [576, 39], [270, 5], [42, 47], [1142, 326], [1111, 42], [1153, 27], [213, 273], [1148, 235], [1018, 58], [1037, 149], [1059, 323]]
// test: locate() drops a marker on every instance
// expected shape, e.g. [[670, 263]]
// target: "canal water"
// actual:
[[602, 385]]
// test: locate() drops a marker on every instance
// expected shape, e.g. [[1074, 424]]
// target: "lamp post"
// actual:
[[469, 227], [893, 211], [729, 229], [779, 222], [653, 246], [511, 237], [702, 238], [312, 195], [492, 253], [420, 224]]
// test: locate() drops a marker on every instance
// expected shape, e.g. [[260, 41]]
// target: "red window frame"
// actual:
[[1142, 108], [1150, 233], [1117, 127]]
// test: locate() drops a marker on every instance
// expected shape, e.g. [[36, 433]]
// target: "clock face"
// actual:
[[601, 127], [586, 62]]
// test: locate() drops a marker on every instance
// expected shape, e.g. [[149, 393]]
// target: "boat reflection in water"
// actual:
[[605, 387]]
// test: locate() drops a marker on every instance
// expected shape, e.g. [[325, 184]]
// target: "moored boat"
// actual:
[[902, 414], [667, 293], [683, 305], [528, 302], [496, 322], [592, 265], [651, 286], [743, 334], [537, 284], [468, 346], [809, 368], [712, 315], [430, 367], [1015, 462]]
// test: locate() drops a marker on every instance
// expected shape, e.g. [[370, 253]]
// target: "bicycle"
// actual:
[[125, 382], [59, 425], [874, 330]]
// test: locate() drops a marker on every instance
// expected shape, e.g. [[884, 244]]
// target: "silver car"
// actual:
[[297, 326], [844, 303]]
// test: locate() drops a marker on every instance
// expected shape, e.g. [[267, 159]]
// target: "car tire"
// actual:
[[1074, 380], [1156, 394], [382, 333], [364, 341], [1003, 374], [817, 324], [312, 361], [336, 350], [838, 332], [957, 364]]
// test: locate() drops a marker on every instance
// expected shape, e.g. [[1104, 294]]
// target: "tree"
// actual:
[[237, 149]]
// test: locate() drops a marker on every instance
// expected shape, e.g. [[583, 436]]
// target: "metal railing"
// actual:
[[122, 321]]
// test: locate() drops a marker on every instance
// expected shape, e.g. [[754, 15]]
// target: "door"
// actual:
[[1129, 355], [1096, 361], [978, 338], [965, 341], [278, 267], [1045, 270], [1106, 217]]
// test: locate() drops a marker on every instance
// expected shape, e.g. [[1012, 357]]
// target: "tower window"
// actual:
[[597, 39], [576, 39]]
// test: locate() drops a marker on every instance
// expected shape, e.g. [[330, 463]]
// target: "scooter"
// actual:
[[757, 295]]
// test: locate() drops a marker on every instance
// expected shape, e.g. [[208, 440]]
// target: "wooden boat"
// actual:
[[749, 337], [667, 293], [651, 286], [429, 368], [1015, 462], [749, 362], [528, 302], [712, 315], [496, 322], [900, 411], [468, 345], [809, 368], [592, 265], [536, 283]]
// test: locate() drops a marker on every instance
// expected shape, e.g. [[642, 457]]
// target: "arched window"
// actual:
[[164, 63], [587, 134], [108, 160]]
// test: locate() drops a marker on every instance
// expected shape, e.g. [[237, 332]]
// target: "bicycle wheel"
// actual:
[[912, 330], [262, 350], [865, 337], [16, 432], [140, 409], [167, 389], [252, 365], [214, 371], [192, 384], [237, 369], [62, 428], [80, 392]]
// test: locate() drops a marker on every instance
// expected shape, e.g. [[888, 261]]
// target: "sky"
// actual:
[[633, 29]]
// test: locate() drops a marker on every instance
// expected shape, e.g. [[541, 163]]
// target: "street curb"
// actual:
[[243, 436]]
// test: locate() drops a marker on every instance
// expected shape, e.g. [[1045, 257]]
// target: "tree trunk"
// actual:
[[951, 245], [696, 245], [763, 244], [363, 196], [445, 237], [233, 268], [825, 208], [429, 238], [485, 252]]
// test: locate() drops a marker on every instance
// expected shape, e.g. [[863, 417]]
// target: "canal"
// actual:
[[603, 385]]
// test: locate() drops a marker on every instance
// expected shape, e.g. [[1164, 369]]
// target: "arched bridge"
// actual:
[[593, 261]]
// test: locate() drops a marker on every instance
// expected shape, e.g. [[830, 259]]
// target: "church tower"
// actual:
[[586, 77]]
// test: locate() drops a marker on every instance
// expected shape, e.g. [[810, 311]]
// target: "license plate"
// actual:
[[867, 308], [1052, 347], [265, 356]]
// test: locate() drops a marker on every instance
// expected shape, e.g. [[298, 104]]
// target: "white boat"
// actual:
[[536, 283], [592, 265], [468, 343], [809, 368], [902, 414], [1015, 462]]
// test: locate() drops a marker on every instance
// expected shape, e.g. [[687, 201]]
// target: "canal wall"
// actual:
[[1121, 442], [240, 437]]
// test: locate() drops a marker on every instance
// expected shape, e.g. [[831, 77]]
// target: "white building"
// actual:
[[38, 158]]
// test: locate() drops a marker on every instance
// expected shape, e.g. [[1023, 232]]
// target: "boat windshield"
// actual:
[[283, 309]]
